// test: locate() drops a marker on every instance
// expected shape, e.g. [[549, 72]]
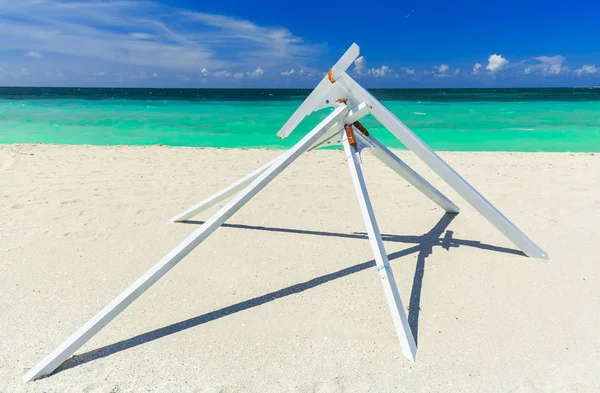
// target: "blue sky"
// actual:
[[181, 43]]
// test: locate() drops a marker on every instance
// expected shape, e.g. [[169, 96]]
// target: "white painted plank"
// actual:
[[223, 194], [108, 313], [445, 171], [345, 61], [403, 331], [314, 100], [401, 168]]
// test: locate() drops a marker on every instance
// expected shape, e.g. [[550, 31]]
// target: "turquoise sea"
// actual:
[[564, 119]]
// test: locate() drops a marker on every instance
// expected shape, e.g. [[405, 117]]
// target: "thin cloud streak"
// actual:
[[120, 34]]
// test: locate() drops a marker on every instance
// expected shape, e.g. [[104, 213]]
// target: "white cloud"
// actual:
[[142, 36], [155, 75], [360, 64], [550, 60], [204, 72], [257, 73], [379, 72], [551, 65], [8, 73], [441, 69], [586, 70], [124, 35], [545, 65], [222, 74], [274, 44], [554, 69], [307, 73], [496, 63], [540, 65], [32, 53], [360, 67], [288, 73]]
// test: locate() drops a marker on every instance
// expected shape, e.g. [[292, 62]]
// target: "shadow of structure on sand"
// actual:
[[424, 244]]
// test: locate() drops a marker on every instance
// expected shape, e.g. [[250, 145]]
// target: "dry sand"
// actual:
[[285, 298]]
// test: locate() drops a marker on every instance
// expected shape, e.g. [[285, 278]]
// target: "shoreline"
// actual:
[[406, 150]]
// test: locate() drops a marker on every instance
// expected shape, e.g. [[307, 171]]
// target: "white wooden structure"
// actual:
[[351, 102]]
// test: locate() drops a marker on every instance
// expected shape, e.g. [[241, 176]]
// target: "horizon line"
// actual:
[[295, 88]]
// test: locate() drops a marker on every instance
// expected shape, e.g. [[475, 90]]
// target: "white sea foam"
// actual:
[[419, 113]]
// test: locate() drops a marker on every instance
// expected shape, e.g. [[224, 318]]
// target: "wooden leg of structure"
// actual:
[[108, 313], [403, 331]]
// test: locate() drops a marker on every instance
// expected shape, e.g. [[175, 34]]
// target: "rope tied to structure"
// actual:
[[350, 135], [361, 128], [330, 76]]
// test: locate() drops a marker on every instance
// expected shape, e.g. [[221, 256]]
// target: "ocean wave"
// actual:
[[419, 113]]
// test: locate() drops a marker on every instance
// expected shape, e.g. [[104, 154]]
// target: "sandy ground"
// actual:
[[285, 298]]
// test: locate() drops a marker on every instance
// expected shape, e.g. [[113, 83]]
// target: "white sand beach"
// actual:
[[285, 297]]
